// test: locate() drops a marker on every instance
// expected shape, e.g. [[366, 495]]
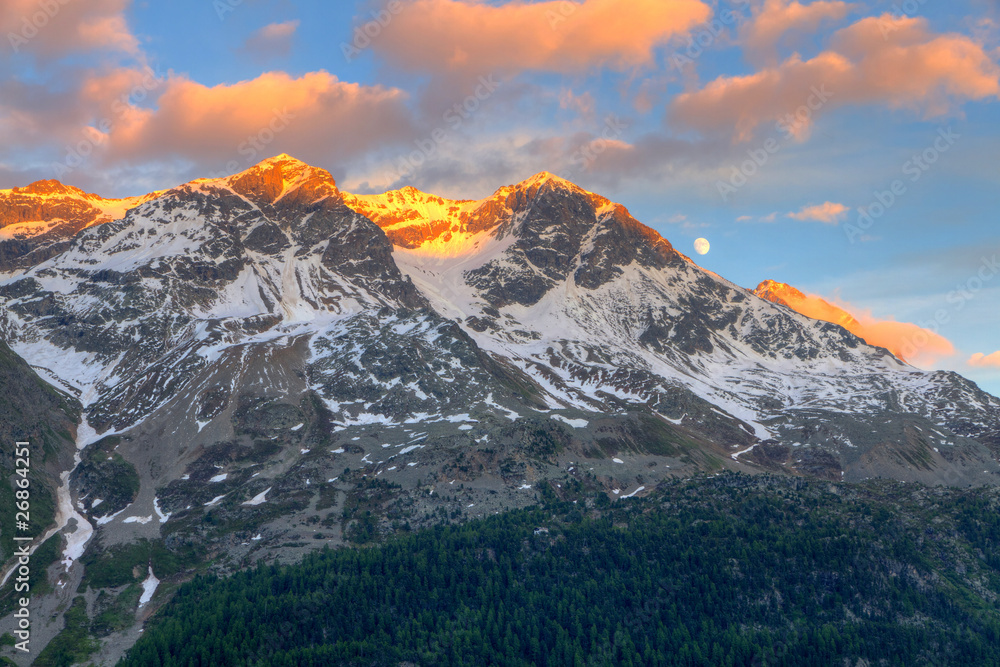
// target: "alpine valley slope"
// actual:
[[271, 360]]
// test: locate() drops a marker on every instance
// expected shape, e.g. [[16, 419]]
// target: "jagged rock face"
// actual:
[[776, 292], [558, 232], [605, 314], [38, 221], [411, 218], [618, 241], [788, 296], [399, 366], [293, 183], [540, 297], [47, 200], [134, 303]]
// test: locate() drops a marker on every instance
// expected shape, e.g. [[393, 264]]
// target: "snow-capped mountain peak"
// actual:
[[37, 221], [810, 306], [405, 307], [41, 207], [271, 181]]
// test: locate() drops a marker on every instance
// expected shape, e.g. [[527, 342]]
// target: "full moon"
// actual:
[[702, 246]]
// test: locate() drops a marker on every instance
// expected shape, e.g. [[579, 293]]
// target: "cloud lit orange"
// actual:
[[981, 360], [828, 213], [885, 60], [63, 27], [776, 18], [909, 342], [310, 113], [274, 39], [560, 36]]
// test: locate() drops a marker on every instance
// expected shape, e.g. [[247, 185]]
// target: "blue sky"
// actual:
[[652, 103]]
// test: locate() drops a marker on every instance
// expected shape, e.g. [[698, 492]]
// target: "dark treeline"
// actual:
[[725, 571]]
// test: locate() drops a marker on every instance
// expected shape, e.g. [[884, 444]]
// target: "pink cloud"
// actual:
[[583, 104], [908, 341], [777, 18], [316, 116], [905, 67], [560, 36], [57, 28], [278, 30], [981, 360], [272, 40], [78, 109], [828, 213]]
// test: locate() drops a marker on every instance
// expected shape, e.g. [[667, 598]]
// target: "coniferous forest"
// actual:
[[728, 570]]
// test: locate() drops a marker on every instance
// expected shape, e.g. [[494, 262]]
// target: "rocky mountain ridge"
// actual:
[[38, 220], [267, 364]]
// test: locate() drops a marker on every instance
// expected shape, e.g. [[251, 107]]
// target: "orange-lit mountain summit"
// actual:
[[543, 302]]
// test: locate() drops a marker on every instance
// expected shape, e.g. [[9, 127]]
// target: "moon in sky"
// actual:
[[702, 246]]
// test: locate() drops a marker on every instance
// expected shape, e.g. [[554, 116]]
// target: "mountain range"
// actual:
[[265, 363]]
